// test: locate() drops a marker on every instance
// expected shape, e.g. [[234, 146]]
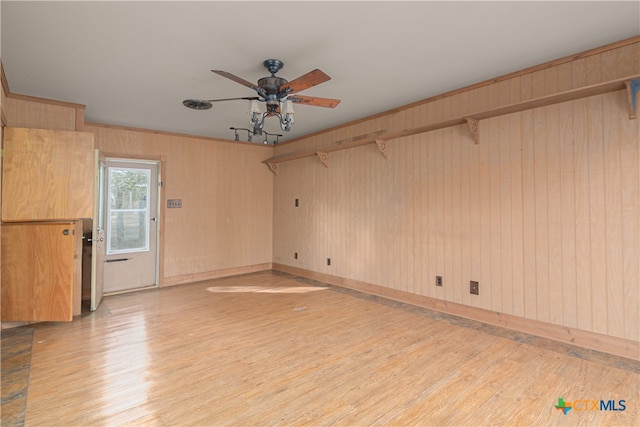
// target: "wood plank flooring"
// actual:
[[271, 349]]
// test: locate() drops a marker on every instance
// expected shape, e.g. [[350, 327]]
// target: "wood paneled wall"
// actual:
[[544, 212], [225, 223]]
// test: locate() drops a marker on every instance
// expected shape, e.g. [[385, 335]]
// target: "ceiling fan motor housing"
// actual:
[[272, 91], [272, 84], [273, 87]]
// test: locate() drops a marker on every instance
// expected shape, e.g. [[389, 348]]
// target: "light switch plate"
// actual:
[[174, 203]]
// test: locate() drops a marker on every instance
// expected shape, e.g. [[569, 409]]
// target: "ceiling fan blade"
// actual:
[[305, 81], [313, 100], [247, 98], [236, 79]]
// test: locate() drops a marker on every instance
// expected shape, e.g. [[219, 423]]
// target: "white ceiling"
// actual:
[[132, 63]]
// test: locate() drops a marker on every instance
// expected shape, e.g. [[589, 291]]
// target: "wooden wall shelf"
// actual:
[[631, 84]]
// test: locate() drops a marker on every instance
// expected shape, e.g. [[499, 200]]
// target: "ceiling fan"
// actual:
[[276, 92]]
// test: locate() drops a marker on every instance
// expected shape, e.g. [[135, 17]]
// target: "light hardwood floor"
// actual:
[[270, 349]]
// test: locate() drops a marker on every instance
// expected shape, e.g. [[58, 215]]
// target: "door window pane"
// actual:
[[128, 210]]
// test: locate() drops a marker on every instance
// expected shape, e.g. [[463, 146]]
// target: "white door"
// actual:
[[97, 235], [131, 225]]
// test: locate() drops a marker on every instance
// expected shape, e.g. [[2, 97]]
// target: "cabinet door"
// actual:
[[38, 271], [47, 175]]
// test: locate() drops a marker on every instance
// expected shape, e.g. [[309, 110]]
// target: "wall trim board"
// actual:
[[591, 340], [215, 274], [539, 67], [45, 101]]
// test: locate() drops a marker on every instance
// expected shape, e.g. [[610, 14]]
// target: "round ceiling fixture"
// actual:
[[197, 104]]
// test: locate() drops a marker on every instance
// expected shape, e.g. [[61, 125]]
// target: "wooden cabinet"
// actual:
[[47, 175], [41, 270]]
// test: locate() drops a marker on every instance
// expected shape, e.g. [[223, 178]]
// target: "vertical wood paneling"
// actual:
[[432, 205], [448, 235], [475, 221], [563, 79], [568, 214], [495, 214], [439, 211], [517, 216], [582, 215], [457, 231], [465, 213], [420, 239], [593, 69], [350, 234], [541, 207], [506, 238], [613, 219], [543, 212], [528, 204], [485, 222], [554, 251], [598, 233], [552, 159]]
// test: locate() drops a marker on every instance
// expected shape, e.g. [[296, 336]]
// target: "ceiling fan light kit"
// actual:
[[250, 134], [274, 91]]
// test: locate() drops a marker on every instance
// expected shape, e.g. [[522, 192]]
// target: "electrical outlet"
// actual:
[[474, 288], [438, 280], [297, 203], [295, 255], [328, 261]]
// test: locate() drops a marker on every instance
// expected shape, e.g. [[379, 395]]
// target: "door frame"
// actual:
[[97, 234], [161, 161]]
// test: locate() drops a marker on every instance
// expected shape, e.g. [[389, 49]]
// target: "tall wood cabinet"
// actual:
[[47, 188]]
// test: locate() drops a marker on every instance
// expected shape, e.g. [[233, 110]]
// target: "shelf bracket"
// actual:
[[382, 146], [632, 97], [474, 128], [324, 158], [273, 167]]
